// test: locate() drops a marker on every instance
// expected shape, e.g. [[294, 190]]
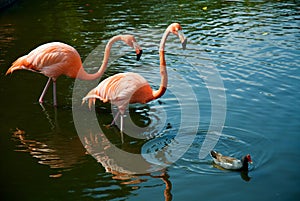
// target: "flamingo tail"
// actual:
[[91, 98], [19, 64]]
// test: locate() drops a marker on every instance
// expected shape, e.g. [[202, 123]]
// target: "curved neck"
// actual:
[[163, 67], [83, 75]]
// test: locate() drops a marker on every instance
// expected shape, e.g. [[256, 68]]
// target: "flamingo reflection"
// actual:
[[99, 146], [62, 154]]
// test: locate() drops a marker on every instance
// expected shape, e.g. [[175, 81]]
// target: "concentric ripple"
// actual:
[[233, 142]]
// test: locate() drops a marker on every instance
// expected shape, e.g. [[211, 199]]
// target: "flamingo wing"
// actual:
[[120, 90], [51, 59]]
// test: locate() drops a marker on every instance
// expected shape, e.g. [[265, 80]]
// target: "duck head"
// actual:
[[246, 159]]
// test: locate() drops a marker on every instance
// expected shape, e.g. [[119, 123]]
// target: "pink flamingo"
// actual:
[[125, 88], [55, 58]]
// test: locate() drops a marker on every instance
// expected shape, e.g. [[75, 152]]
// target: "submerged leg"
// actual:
[[121, 114], [41, 99], [54, 94], [115, 118]]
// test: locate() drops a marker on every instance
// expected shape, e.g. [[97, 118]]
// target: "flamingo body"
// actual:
[[51, 59], [125, 88], [55, 59], [122, 89]]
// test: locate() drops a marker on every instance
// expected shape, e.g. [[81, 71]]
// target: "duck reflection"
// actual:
[[244, 173]]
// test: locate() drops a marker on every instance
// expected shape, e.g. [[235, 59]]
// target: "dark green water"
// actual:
[[252, 44]]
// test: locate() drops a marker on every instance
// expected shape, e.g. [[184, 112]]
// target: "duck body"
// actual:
[[230, 163]]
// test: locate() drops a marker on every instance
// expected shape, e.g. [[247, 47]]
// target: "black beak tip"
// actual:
[[138, 56], [184, 44]]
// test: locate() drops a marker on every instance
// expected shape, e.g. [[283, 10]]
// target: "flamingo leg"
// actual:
[[121, 123], [54, 94], [121, 129], [115, 118], [41, 99]]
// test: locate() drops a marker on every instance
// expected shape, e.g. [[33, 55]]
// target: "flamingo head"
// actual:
[[176, 29], [130, 40]]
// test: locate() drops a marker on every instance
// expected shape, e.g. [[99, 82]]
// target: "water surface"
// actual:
[[252, 44]]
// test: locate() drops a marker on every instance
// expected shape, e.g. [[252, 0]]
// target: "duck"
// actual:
[[231, 163]]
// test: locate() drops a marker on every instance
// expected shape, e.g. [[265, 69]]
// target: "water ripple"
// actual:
[[234, 142]]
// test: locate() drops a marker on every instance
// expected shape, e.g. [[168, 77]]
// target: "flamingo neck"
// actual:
[[83, 75], [163, 67]]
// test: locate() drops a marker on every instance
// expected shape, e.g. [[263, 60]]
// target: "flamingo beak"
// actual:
[[182, 38], [138, 51], [138, 54]]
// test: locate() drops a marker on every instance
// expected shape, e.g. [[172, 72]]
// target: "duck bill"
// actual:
[[183, 39]]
